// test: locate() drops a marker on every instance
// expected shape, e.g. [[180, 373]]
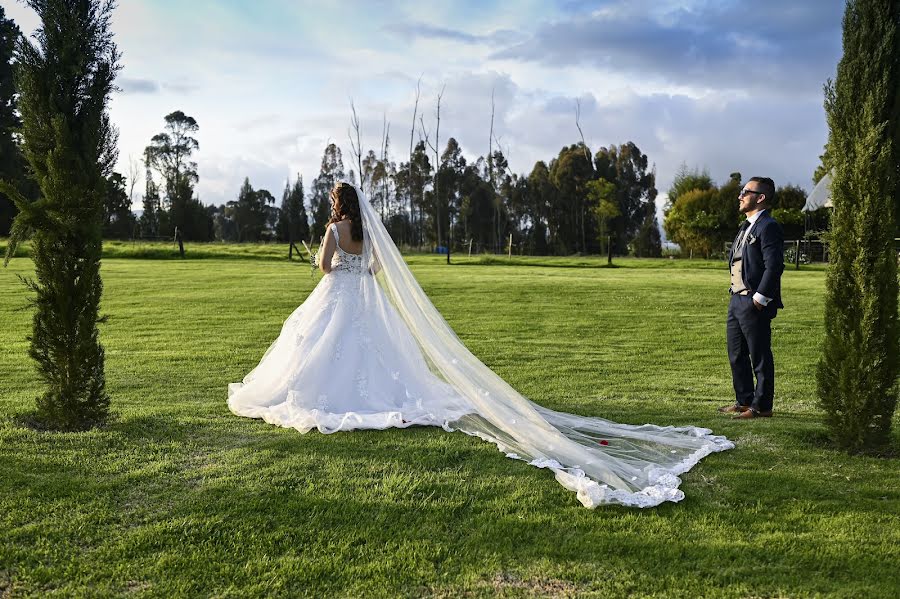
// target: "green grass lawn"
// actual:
[[177, 497]]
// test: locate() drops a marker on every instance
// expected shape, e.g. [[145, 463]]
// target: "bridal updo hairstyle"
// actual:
[[345, 204]]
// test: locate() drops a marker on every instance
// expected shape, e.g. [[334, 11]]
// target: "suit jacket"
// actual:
[[762, 257]]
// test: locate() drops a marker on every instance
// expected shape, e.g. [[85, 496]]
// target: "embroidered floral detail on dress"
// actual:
[[345, 262]]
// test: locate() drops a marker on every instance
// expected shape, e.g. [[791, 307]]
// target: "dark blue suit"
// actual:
[[749, 330]]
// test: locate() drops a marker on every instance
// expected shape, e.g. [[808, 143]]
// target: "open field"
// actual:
[[162, 250], [177, 497]]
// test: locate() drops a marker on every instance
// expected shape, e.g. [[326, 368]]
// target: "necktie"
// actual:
[[741, 234]]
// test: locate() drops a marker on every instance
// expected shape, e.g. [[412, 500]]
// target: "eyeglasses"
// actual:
[[746, 191]]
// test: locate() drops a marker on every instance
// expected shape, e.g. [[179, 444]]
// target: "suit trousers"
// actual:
[[749, 336]]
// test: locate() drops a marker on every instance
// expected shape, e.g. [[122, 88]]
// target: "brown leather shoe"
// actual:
[[749, 414], [732, 409]]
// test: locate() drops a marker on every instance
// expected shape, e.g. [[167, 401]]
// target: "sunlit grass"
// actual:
[[177, 497]]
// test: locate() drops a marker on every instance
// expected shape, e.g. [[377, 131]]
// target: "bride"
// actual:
[[367, 349]]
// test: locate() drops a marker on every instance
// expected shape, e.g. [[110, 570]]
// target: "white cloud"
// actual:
[[270, 88]]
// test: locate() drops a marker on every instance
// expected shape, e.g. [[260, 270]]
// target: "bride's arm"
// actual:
[[326, 251]]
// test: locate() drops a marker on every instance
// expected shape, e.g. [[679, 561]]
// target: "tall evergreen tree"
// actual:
[[118, 219], [331, 171], [541, 194], [152, 208], [293, 224], [64, 79], [823, 167], [11, 161], [857, 374], [251, 212]]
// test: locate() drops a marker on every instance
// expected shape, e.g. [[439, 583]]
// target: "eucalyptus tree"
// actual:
[[629, 170], [170, 155]]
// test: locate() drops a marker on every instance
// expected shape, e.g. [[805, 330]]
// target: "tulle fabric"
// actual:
[[345, 360], [442, 382]]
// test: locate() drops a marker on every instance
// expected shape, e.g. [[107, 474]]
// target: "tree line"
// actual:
[[702, 217], [573, 204], [580, 201]]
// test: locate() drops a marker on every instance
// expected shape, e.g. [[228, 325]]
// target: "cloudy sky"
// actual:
[[726, 85]]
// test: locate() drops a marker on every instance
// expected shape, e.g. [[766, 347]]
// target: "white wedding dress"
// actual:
[[371, 351], [345, 360]]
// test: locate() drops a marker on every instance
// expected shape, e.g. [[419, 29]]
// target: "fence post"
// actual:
[[609, 250], [797, 256]]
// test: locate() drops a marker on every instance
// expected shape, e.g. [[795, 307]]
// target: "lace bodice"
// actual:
[[344, 262]]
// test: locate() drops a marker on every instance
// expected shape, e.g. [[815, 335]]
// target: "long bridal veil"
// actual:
[[602, 461]]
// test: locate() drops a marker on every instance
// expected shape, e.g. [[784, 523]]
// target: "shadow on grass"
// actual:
[[438, 526], [33, 420], [210, 502], [535, 262], [818, 438]]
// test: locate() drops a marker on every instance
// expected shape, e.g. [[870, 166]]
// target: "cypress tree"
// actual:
[[293, 223], [857, 374], [64, 79]]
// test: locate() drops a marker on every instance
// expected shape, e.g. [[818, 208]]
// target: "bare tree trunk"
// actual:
[[134, 175], [437, 164], [583, 227], [356, 147], [385, 129], [583, 212], [412, 132], [580, 132], [491, 174], [491, 144]]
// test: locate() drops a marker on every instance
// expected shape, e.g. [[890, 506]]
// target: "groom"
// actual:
[[756, 261]]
